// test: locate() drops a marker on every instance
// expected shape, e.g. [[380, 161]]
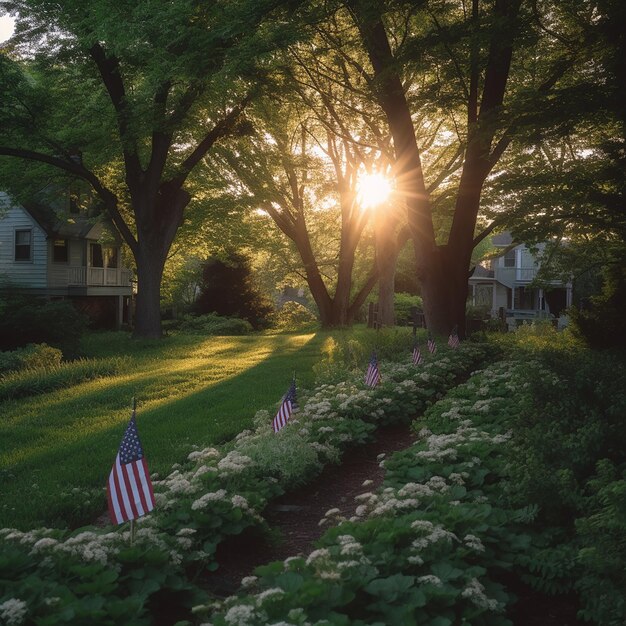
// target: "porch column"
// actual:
[[568, 294], [119, 312], [494, 308]]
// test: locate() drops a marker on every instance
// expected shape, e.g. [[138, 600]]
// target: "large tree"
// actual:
[[303, 176], [455, 61], [131, 97]]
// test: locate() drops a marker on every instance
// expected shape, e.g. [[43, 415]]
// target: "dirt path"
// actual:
[[296, 516]]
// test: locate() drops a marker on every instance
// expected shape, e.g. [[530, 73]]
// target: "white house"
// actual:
[[505, 285], [76, 258]]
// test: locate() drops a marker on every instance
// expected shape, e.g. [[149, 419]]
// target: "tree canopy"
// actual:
[[131, 97], [485, 114]]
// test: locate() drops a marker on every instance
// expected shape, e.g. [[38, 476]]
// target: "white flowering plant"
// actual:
[[428, 546], [215, 493]]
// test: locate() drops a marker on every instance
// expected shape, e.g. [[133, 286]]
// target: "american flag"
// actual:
[[129, 490], [372, 376], [432, 347], [417, 355], [453, 339], [287, 406]]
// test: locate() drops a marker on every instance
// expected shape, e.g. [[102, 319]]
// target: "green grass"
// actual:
[[56, 449]]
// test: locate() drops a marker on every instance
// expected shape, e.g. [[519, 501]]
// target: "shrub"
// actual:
[[403, 302], [213, 324], [602, 584], [9, 361], [351, 351], [227, 289], [293, 316], [30, 382], [477, 312], [33, 356], [601, 325], [28, 319]]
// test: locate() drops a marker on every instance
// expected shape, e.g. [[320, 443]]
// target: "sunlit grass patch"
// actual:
[[189, 390]]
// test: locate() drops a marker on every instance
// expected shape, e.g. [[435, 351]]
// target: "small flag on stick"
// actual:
[[417, 355], [129, 490], [432, 346], [287, 406], [453, 339], [372, 376]]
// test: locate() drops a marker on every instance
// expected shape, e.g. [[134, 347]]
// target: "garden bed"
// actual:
[[218, 493]]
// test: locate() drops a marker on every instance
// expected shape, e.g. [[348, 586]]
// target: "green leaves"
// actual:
[[391, 588]]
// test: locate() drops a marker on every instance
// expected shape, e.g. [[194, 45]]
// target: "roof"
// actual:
[[70, 226], [502, 239], [481, 272]]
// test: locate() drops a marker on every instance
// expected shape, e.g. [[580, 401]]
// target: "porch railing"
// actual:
[[90, 276]]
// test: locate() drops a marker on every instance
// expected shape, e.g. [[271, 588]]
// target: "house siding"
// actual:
[[29, 274]]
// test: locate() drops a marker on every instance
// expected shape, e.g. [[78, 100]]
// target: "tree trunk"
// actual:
[[341, 299], [148, 307], [436, 293], [161, 216], [387, 251], [442, 270], [300, 237]]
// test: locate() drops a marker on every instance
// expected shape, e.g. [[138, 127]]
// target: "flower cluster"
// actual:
[[397, 548], [218, 492]]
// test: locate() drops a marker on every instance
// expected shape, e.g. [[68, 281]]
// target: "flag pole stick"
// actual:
[[132, 521]]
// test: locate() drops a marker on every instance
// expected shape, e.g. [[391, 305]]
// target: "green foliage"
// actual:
[[403, 303], [601, 323], [532, 338], [574, 422], [33, 356], [477, 312], [62, 589], [347, 352], [567, 456], [214, 324], [293, 316], [227, 289], [45, 378], [28, 319], [603, 548]]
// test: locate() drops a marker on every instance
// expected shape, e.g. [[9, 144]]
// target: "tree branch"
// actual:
[[79, 170], [109, 70], [221, 129]]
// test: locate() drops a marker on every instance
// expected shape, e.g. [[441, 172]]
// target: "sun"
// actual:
[[7, 26], [373, 190]]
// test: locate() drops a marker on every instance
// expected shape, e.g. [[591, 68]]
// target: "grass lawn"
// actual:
[[56, 449]]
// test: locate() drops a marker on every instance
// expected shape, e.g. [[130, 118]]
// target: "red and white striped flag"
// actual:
[[372, 376], [432, 346], [453, 339], [417, 355], [287, 406], [129, 490]]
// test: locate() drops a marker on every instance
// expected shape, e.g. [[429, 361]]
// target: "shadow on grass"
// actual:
[[77, 450]]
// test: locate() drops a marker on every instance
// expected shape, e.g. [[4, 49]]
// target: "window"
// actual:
[[509, 258], [100, 256], [110, 257], [95, 255], [23, 245], [59, 251]]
